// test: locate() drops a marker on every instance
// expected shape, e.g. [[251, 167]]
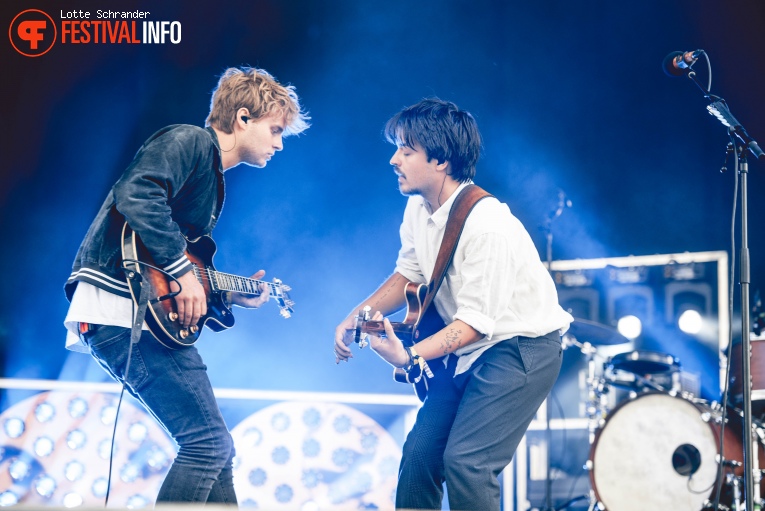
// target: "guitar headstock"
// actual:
[[360, 335], [280, 293]]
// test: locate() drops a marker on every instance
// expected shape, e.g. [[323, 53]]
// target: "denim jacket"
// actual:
[[172, 191]]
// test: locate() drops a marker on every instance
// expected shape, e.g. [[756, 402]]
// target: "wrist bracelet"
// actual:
[[424, 367], [408, 366]]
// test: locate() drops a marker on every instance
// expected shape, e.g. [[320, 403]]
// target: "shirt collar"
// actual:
[[441, 215]]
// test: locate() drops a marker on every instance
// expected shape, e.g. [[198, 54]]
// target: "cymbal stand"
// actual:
[[596, 404], [563, 202]]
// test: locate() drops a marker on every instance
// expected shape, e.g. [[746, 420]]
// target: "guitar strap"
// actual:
[[140, 312], [461, 208]]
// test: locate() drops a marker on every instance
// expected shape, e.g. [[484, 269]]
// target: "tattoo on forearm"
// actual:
[[387, 292], [453, 341]]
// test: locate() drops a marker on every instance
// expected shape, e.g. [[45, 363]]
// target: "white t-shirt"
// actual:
[[496, 283], [94, 305]]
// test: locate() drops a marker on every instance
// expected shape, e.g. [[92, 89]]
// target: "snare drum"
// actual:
[[643, 370], [643, 362], [658, 451]]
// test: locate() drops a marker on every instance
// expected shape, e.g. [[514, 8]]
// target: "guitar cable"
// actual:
[[136, 324]]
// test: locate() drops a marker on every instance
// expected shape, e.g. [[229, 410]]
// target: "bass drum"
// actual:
[[658, 451]]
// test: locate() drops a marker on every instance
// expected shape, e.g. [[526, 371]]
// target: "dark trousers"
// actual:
[[174, 387], [469, 426]]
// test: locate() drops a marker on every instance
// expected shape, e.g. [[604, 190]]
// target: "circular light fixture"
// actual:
[[43, 446], [45, 486], [14, 427], [630, 326], [45, 412], [76, 439], [78, 407], [690, 321]]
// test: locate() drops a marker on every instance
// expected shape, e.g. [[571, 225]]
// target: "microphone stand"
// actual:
[[563, 202], [742, 141]]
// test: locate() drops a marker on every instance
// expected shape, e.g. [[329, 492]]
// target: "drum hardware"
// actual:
[[597, 387], [596, 406], [668, 443]]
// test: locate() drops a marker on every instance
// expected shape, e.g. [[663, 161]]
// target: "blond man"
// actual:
[[171, 192]]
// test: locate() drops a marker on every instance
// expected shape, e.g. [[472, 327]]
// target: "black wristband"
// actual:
[[408, 366]]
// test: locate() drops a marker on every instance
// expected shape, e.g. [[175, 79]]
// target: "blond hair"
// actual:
[[260, 93]]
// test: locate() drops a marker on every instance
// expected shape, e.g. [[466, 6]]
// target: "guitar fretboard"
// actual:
[[228, 282]]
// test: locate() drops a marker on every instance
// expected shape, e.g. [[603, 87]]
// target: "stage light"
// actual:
[[43, 446], [8, 498], [45, 412], [72, 499], [628, 275], [630, 326], [690, 321], [18, 470], [99, 487], [104, 448], [45, 486], [14, 427], [108, 414], [310, 456], [157, 459], [137, 502], [129, 473], [75, 439], [73, 470], [39, 473], [137, 432], [78, 407]]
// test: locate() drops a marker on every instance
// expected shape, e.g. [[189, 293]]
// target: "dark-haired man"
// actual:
[[499, 354]]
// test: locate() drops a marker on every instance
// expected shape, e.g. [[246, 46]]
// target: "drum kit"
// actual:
[[661, 447]]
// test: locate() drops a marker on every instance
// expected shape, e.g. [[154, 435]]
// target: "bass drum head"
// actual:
[[655, 452]]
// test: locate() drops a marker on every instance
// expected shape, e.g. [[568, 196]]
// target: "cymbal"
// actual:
[[584, 330]]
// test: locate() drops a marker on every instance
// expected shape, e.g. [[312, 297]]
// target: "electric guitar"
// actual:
[[161, 313], [417, 325]]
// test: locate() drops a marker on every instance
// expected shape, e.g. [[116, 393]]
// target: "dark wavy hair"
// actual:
[[443, 130]]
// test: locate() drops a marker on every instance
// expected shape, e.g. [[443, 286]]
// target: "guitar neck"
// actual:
[[229, 282], [402, 330]]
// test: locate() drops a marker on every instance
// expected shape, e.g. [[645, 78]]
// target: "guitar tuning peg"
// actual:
[[286, 287], [276, 281], [285, 314]]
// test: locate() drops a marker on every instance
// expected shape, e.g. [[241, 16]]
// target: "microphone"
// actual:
[[678, 63]]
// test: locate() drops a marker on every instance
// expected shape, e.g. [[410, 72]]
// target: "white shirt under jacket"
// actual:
[[496, 283]]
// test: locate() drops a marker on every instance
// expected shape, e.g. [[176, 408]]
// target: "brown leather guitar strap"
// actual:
[[461, 208]]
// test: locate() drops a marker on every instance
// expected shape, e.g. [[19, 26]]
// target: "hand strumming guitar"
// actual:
[[389, 348], [191, 301]]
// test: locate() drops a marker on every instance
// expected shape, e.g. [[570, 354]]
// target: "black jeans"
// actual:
[[470, 425], [174, 387]]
